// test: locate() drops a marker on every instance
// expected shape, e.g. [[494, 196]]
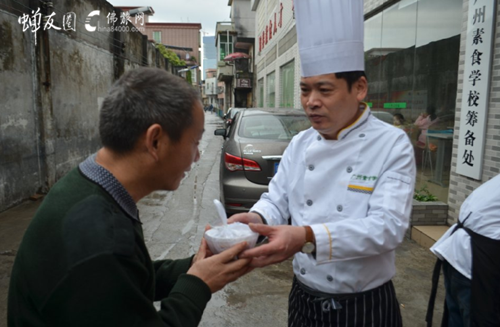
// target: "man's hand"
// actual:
[[284, 241], [204, 250], [245, 218], [219, 269]]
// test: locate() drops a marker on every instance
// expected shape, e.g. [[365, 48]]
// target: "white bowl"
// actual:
[[222, 238]]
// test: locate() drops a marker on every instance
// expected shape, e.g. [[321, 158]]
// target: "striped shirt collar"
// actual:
[[101, 176]]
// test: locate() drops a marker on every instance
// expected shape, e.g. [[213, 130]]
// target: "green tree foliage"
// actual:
[[170, 55], [188, 77]]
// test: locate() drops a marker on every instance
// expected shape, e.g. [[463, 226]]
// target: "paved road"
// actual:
[[173, 225]]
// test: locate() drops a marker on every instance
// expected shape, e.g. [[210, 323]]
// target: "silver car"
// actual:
[[254, 144]]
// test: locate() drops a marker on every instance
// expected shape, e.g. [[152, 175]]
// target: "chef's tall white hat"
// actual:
[[330, 36]]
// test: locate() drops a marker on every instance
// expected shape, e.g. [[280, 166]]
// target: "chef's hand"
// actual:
[[219, 269], [245, 218], [284, 242]]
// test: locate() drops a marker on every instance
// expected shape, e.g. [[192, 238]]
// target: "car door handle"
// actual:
[[272, 157]]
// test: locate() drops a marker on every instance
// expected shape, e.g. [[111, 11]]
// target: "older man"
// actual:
[[83, 260]]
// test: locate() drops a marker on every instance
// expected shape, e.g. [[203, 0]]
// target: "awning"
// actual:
[[235, 56]]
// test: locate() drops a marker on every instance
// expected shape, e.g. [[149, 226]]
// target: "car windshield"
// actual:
[[272, 127]]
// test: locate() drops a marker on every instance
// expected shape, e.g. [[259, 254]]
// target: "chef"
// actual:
[[346, 184], [468, 252]]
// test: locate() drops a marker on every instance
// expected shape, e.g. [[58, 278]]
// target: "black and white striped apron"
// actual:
[[374, 308]]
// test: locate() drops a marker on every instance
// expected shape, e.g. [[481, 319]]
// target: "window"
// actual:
[[271, 90], [260, 87], [157, 36], [412, 51], [287, 84], [225, 46]]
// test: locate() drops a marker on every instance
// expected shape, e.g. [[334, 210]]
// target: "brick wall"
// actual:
[[460, 186], [427, 214]]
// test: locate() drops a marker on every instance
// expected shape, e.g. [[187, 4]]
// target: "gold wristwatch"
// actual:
[[309, 245]]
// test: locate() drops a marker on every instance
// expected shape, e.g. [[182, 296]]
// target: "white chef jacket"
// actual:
[[483, 205], [356, 194]]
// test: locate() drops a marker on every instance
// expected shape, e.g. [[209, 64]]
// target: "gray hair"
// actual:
[[143, 97]]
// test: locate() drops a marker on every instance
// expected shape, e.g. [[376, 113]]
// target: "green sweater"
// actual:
[[83, 262]]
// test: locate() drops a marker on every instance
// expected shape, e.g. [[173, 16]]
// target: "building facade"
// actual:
[[243, 19], [277, 63], [236, 37], [224, 41], [183, 35], [422, 57], [182, 38], [212, 89]]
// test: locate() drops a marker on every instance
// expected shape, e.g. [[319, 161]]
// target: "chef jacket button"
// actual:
[[309, 202], [329, 278], [303, 271], [349, 169], [311, 167], [339, 208], [319, 138], [361, 135]]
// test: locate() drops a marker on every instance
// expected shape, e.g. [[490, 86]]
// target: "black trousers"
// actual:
[[374, 308]]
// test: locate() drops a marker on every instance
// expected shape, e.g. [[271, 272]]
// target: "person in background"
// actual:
[[83, 260], [469, 253], [399, 120], [346, 184], [423, 122]]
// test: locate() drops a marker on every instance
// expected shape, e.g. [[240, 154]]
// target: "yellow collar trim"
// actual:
[[363, 105]]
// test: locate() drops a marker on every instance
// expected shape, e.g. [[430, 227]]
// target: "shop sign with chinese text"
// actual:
[[474, 114]]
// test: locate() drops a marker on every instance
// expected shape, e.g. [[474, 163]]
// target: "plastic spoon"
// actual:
[[221, 211]]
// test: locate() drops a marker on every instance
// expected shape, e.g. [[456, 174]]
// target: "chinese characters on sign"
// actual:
[[271, 28], [475, 91], [37, 20], [34, 22], [117, 23]]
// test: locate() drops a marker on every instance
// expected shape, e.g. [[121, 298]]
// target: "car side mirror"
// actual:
[[221, 132]]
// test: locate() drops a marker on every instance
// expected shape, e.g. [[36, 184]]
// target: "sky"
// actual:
[[206, 12]]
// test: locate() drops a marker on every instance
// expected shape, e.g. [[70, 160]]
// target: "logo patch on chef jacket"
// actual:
[[362, 184]]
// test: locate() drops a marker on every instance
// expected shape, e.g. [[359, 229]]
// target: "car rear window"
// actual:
[[271, 127]]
